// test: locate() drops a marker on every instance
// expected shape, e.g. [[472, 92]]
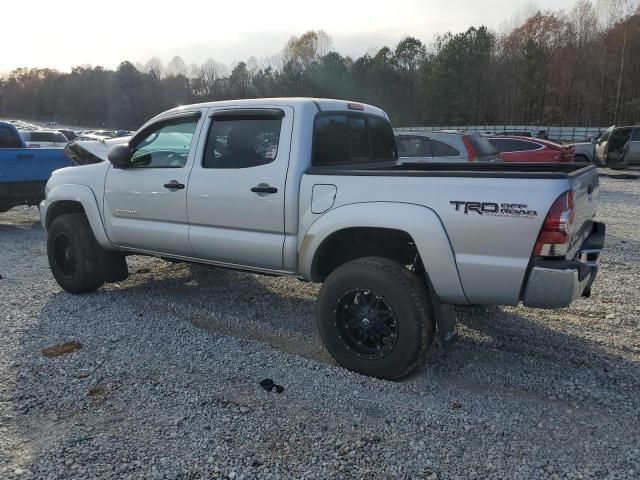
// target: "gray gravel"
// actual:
[[166, 384]]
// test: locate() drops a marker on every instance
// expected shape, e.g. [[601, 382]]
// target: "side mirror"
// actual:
[[120, 156]]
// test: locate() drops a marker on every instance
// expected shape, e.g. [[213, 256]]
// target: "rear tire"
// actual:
[[74, 254], [375, 317]]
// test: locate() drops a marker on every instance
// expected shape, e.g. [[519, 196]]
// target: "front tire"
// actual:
[[375, 317], [74, 254]]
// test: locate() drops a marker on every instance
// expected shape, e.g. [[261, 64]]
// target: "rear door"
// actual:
[[235, 197]]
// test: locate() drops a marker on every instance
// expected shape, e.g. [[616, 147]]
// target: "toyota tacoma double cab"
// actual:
[[312, 188]]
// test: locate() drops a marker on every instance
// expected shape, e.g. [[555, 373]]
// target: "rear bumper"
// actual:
[[557, 283]]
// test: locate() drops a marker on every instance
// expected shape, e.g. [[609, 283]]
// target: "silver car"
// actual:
[[444, 146], [616, 147]]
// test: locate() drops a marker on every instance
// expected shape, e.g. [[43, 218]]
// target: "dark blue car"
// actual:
[[24, 171]]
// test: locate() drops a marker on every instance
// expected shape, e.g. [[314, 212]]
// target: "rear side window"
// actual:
[[510, 145], [441, 149], [343, 138], [242, 142]]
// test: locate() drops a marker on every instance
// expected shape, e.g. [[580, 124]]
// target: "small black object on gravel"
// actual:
[[269, 386]]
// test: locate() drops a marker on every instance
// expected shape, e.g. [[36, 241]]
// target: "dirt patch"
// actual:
[[61, 349]]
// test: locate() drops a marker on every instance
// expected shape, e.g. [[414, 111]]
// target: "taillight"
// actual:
[[470, 150], [555, 234]]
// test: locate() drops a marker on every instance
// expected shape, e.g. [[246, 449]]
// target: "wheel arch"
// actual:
[[75, 199], [402, 225]]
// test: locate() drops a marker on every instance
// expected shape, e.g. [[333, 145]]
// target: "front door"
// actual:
[[236, 190], [601, 145], [617, 145], [146, 204]]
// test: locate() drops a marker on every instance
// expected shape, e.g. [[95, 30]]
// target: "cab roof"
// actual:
[[322, 104]]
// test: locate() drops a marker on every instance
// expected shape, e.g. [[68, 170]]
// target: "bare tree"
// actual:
[[154, 67], [176, 67]]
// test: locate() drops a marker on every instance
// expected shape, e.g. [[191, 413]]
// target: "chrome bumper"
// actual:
[[557, 283]]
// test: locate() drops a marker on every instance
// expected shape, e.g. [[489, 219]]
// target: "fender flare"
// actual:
[[421, 223], [85, 197]]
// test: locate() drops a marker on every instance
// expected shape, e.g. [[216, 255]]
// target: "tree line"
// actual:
[[580, 67]]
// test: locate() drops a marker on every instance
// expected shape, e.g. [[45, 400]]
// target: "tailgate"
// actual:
[[586, 192]]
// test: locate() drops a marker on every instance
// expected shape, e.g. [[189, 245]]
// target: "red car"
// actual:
[[534, 150]]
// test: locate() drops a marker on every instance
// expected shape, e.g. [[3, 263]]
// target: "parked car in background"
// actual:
[[122, 133], [44, 138], [70, 134], [444, 146], [534, 150], [616, 147], [92, 137], [24, 171], [585, 151]]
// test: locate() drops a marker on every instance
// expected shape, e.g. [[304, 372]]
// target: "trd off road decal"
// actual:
[[492, 209]]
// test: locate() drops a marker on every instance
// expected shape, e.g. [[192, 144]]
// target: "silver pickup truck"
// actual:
[[311, 188]]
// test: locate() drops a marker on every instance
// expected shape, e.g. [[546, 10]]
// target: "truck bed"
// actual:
[[492, 252]]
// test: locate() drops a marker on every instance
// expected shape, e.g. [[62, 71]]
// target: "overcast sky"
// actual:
[[45, 33]]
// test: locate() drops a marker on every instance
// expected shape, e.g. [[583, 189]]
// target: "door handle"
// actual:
[[174, 185], [24, 156], [264, 188]]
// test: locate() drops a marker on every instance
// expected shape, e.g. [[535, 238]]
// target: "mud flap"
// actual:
[[446, 321], [113, 266]]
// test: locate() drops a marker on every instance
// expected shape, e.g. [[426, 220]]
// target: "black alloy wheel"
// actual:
[[367, 323]]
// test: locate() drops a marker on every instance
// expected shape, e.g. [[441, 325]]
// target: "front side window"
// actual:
[[636, 135], [343, 138], [167, 146], [242, 142]]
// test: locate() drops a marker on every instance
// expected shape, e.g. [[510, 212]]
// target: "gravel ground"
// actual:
[[166, 382]]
